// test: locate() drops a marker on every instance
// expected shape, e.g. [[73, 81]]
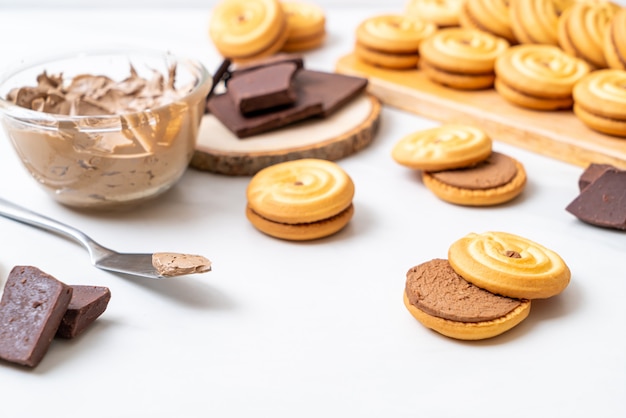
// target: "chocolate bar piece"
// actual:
[[222, 106], [603, 201], [31, 309], [264, 88], [591, 173], [335, 89], [86, 305]]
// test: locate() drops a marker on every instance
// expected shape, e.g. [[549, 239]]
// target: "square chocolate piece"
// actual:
[[264, 88], [31, 309], [222, 106], [86, 305]]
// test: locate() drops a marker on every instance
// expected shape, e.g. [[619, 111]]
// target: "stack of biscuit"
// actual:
[[533, 52], [486, 285], [300, 200], [459, 166], [246, 30]]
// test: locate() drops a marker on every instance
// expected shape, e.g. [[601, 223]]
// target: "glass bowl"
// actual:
[[104, 160]]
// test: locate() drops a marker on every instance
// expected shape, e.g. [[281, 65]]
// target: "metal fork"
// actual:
[[104, 258]]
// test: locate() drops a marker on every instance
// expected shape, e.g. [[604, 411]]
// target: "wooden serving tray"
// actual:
[[343, 133], [559, 134]]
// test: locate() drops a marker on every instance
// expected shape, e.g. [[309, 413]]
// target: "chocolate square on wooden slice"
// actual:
[[308, 104], [335, 89], [603, 201], [86, 305], [264, 88], [31, 309]]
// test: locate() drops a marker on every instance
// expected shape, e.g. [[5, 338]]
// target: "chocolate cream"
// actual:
[[435, 288], [105, 161]]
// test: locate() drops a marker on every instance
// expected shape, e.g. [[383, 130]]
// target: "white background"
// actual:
[[318, 329]]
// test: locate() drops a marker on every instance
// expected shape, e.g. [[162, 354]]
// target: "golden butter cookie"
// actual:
[[301, 199], [442, 148], [494, 181], [461, 58], [445, 302], [443, 13], [582, 29], [539, 77], [392, 40], [600, 101], [248, 29], [614, 44], [509, 265], [490, 16], [537, 21], [306, 26]]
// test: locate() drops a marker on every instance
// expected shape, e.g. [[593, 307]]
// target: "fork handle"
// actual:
[[17, 213]]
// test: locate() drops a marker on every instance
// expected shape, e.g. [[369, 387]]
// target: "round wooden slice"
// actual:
[[343, 133]]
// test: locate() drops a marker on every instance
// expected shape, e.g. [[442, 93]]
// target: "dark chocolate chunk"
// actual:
[[335, 89], [86, 305], [603, 201], [497, 170], [264, 88], [31, 309], [592, 172], [222, 106]]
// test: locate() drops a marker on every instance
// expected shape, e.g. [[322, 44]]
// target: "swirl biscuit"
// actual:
[[245, 30], [600, 101], [614, 45], [461, 58], [494, 181], [306, 25], [300, 200], [582, 30], [539, 77], [392, 40], [442, 148], [509, 265], [443, 13], [445, 302], [537, 21], [491, 16]]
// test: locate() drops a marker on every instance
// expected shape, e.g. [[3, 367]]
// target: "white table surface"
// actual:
[[286, 329]]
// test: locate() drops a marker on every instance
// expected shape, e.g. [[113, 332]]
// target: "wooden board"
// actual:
[[557, 134], [343, 133]]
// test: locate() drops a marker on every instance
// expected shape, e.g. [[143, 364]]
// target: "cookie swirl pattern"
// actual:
[[600, 101], [614, 44], [491, 16], [442, 148], [539, 77], [248, 28], [537, 21], [405, 32], [509, 265], [300, 191], [443, 13], [582, 28], [464, 50]]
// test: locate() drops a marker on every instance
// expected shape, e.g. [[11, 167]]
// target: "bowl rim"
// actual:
[[32, 117]]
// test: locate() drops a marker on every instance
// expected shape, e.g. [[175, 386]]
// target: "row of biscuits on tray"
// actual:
[[537, 54], [487, 283]]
